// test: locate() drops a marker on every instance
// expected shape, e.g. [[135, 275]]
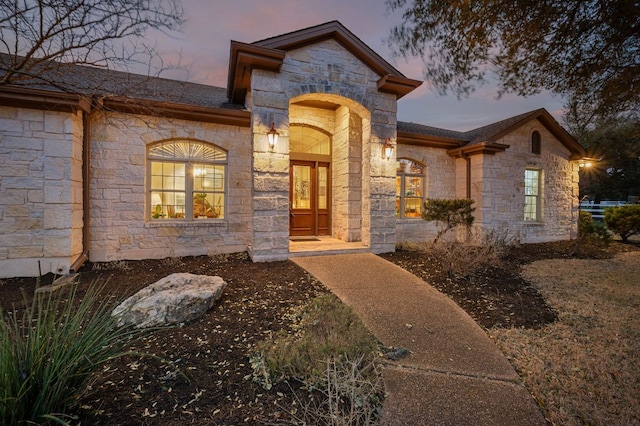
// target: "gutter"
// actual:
[[86, 211]]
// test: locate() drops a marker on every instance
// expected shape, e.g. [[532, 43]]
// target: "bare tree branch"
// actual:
[[42, 38]]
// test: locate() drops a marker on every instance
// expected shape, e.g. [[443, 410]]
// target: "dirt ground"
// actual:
[[206, 378]]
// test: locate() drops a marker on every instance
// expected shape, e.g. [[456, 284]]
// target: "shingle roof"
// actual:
[[491, 133], [421, 129], [101, 82]]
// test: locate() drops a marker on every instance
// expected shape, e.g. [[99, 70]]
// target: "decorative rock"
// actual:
[[175, 299]]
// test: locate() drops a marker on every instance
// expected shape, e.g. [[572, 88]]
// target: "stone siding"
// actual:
[[40, 191], [362, 183], [119, 229], [498, 187]]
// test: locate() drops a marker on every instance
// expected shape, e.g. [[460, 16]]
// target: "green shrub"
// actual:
[[592, 231], [451, 213], [623, 220], [50, 353]]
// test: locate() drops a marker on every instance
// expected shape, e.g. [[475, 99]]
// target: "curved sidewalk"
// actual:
[[454, 374]]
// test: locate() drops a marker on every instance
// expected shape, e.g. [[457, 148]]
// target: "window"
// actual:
[[532, 202], [187, 180], [410, 188], [536, 142]]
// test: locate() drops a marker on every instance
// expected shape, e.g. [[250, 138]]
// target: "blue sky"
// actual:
[[202, 49]]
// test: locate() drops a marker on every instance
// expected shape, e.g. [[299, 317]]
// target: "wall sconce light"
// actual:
[[272, 137], [387, 149], [586, 162]]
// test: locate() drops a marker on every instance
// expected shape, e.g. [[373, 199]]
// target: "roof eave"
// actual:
[[397, 85], [23, 97], [405, 138], [486, 148], [243, 59], [562, 135], [241, 118]]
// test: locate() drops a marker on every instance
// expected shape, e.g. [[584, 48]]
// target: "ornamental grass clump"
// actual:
[[51, 352]]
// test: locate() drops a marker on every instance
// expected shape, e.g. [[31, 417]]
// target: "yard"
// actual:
[[569, 326]]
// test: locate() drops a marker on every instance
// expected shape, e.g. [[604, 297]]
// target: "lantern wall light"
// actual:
[[272, 137], [387, 149]]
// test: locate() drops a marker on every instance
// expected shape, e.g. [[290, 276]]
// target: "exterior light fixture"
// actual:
[[586, 162], [272, 137], [387, 149]]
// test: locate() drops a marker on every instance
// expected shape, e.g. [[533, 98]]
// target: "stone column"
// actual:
[[270, 199]]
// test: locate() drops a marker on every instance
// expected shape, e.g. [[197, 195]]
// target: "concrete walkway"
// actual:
[[454, 374]]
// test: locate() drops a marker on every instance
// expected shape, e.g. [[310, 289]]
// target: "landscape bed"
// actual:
[[200, 372]]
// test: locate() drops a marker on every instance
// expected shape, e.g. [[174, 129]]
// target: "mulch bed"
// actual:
[[201, 373]]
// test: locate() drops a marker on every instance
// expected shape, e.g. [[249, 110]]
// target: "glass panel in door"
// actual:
[[302, 220]]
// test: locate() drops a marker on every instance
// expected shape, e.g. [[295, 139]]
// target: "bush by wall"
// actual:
[[623, 220], [450, 213]]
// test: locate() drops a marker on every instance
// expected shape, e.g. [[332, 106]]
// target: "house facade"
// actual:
[[151, 168]]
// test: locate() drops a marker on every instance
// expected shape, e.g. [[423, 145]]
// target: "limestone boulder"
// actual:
[[175, 299]]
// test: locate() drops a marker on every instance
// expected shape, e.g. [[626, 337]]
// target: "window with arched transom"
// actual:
[[187, 180], [410, 188]]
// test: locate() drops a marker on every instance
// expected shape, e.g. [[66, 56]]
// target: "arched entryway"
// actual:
[[310, 181], [327, 135]]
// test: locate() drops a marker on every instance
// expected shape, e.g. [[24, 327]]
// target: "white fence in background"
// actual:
[[597, 210]]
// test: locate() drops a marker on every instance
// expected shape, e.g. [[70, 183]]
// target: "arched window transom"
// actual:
[[410, 188], [187, 180]]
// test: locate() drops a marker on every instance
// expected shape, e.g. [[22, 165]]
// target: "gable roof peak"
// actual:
[[331, 30], [269, 54]]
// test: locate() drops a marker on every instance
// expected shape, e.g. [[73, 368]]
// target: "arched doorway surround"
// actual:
[[328, 135]]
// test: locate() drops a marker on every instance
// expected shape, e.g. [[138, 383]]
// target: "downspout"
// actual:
[[467, 159], [86, 211]]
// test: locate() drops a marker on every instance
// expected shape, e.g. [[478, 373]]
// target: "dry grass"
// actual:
[[585, 368]]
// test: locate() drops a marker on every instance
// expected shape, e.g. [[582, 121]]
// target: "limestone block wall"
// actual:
[[499, 190], [324, 71], [40, 191], [441, 182], [270, 171], [347, 176], [118, 194]]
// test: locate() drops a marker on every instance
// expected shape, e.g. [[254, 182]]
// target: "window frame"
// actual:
[[536, 142], [404, 176], [535, 195], [191, 163]]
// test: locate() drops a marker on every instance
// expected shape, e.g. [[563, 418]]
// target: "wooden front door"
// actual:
[[309, 191]]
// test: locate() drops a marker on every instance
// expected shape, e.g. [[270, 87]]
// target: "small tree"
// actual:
[[591, 231], [623, 220], [449, 212]]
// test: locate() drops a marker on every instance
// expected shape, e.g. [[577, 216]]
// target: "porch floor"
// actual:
[[323, 245]]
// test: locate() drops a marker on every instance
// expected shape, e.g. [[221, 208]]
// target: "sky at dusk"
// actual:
[[203, 52]]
